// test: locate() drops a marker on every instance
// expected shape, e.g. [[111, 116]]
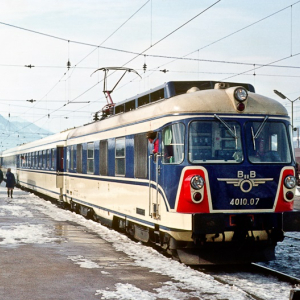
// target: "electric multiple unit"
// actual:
[[220, 189]]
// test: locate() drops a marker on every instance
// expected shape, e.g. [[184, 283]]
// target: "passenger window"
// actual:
[[90, 158], [173, 144], [68, 158], [44, 159], [48, 159], [22, 160], [120, 157], [52, 159], [40, 159], [72, 157], [79, 158]]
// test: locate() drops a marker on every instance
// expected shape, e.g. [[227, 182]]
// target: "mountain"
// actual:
[[16, 131]]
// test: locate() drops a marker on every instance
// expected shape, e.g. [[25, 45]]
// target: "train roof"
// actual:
[[200, 96], [52, 141], [219, 100], [171, 89]]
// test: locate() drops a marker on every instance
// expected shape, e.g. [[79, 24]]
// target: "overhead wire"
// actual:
[[33, 31], [130, 52], [225, 37], [53, 111], [152, 45]]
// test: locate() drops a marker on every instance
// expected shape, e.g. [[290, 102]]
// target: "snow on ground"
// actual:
[[83, 262], [196, 285]]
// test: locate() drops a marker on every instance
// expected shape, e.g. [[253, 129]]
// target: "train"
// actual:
[[204, 170]]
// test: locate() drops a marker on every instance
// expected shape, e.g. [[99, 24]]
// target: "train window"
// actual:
[[79, 158], [157, 95], [36, 156], [90, 158], [181, 87], [119, 109], [130, 105], [52, 159], [267, 142], [215, 141], [68, 158], [44, 159], [40, 157], [33, 160], [173, 143], [48, 159], [72, 157], [143, 100], [103, 158], [120, 157], [140, 156], [23, 161]]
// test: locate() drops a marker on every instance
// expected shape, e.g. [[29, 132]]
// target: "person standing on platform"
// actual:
[[1, 175], [10, 182]]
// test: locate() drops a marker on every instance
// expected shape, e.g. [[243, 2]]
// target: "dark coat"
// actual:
[[1, 176], [10, 180]]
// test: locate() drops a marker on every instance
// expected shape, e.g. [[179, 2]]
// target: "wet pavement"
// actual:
[[46, 256], [57, 270]]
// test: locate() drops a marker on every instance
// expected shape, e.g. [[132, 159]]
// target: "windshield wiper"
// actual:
[[233, 133], [259, 130]]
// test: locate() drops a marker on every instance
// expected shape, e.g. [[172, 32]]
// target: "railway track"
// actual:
[[257, 281], [280, 275]]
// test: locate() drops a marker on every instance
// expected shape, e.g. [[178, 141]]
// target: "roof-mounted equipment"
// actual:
[[106, 110]]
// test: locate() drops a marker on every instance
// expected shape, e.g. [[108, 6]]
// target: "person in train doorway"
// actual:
[[1, 175], [153, 139], [10, 182]]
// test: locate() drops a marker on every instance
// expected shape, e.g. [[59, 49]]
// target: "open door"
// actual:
[[164, 165], [60, 170], [154, 167]]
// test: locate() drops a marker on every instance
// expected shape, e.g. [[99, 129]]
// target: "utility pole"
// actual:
[[292, 102]]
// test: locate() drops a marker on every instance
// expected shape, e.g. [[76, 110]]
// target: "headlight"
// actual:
[[197, 182], [290, 182], [240, 94]]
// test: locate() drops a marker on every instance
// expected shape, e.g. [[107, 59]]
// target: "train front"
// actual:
[[241, 181]]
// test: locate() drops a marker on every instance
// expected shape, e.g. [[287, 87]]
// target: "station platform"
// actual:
[[50, 253], [46, 256]]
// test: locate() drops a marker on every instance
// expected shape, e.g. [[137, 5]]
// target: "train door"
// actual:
[[154, 179], [169, 164], [60, 170]]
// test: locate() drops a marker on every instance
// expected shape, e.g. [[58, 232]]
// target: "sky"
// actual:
[[29, 212], [257, 42]]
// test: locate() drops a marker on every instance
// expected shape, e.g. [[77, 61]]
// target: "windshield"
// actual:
[[267, 142], [215, 141]]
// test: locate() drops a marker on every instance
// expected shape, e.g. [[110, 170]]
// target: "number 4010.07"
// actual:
[[244, 201]]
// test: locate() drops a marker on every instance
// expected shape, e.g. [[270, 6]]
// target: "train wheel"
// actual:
[[91, 215]]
